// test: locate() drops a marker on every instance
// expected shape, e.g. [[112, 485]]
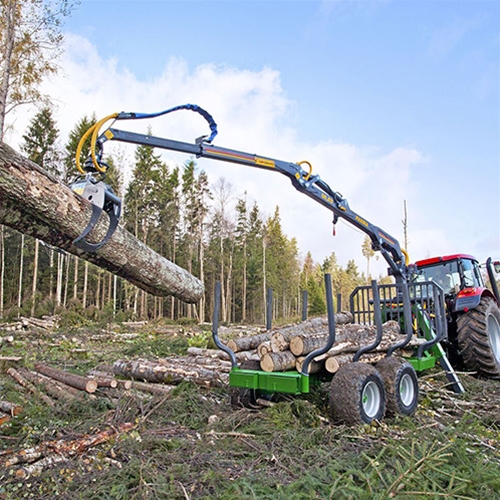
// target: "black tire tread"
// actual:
[[392, 370], [474, 342], [345, 393]]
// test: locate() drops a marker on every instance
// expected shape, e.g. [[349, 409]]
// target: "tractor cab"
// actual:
[[458, 275]]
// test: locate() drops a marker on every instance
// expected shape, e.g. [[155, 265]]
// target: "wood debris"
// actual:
[[51, 452]]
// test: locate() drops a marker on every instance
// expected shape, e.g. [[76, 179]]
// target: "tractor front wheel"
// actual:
[[478, 338], [357, 395]]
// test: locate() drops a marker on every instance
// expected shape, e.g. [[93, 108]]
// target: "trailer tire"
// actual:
[[357, 395], [478, 338], [401, 385]]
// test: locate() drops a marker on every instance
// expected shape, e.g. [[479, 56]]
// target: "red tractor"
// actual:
[[472, 310]]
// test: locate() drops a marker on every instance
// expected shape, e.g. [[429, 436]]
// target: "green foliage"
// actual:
[[30, 43], [200, 340], [39, 142]]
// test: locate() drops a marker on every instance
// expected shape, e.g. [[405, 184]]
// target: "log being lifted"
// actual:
[[35, 203]]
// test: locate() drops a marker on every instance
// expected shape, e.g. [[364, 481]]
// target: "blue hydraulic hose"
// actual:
[[192, 107]]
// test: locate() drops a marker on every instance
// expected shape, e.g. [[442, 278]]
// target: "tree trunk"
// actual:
[[85, 285], [35, 278], [21, 266], [22, 381], [170, 371], [35, 203], [75, 279], [2, 269], [248, 343], [9, 34]]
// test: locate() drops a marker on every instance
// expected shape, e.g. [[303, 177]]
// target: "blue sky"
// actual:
[[391, 100]]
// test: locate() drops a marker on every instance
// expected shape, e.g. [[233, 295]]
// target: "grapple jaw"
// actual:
[[102, 198]]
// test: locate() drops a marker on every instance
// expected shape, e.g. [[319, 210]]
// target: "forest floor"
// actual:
[[191, 444]]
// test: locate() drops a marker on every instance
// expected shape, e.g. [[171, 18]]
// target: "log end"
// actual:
[[267, 363], [297, 346]]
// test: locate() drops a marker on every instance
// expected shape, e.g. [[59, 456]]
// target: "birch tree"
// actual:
[[30, 44]]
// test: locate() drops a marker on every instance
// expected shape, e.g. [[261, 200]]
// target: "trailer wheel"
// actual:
[[357, 395], [479, 338], [401, 385]]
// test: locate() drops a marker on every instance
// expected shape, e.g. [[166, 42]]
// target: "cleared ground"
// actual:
[[190, 444]]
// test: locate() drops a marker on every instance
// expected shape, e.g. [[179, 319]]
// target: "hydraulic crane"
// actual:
[[418, 305]]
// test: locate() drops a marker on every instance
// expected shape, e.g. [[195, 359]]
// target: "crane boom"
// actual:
[[304, 181]]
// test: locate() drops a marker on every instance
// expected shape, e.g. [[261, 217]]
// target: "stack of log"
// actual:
[[208, 371], [47, 323], [286, 348]]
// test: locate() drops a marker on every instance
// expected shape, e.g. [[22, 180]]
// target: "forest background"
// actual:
[[212, 229]]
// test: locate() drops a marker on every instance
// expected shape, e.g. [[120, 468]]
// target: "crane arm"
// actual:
[[304, 181]]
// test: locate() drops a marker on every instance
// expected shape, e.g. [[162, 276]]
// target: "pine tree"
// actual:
[[74, 137], [40, 142]]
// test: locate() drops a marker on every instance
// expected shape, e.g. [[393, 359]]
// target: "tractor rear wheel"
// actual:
[[357, 395], [478, 338], [401, 385]]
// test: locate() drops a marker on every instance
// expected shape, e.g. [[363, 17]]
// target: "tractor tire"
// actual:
[[357, 395], [478, 338], [401, 385]]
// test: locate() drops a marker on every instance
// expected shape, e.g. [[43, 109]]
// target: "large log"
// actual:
[[35, 203], [355, 334], [170, 371], [278, 361], [71, 379]]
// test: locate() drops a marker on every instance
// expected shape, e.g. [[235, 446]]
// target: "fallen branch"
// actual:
[[61, 448]]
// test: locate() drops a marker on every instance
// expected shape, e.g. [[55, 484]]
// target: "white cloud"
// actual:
[[253, 115]]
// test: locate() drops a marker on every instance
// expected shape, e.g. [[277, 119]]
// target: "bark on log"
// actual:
[[52, 388], [280, 341], [241, 356], [278, 361], [248, 343], [35, 203], [10, 408], [172, 373], [314, 366], [354, 334], [23, 382], [333, 363], [160, 390], [279, 338], [76, 381]]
